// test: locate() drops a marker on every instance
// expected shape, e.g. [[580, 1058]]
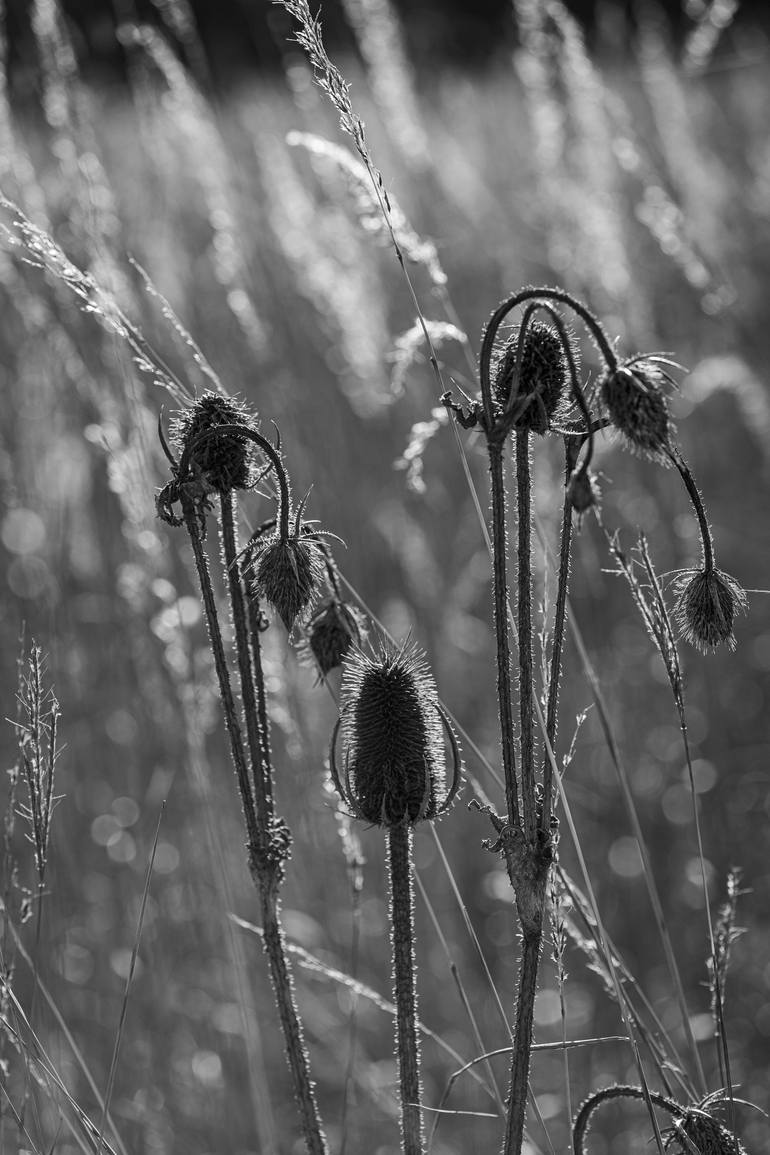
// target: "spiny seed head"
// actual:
[[223, 461], [707, 1135], [583, 491], [392, 738], [286, 572], [705, 607], [330, 632], [543, 376], [637, 406]]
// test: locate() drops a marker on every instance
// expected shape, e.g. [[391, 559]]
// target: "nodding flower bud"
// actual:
[[225, 461], [634, 397], [706, 1135], [330, 632], [705, 607], [583, 491], [392, 739], [542, 377], [286, 572]]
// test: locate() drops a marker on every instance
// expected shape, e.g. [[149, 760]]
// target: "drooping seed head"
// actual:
[[392, 737], [542, 378], [705, 608], [708, 1136], [636, 403], [583, 491], [224, 461], [286, 572], [331, 631]]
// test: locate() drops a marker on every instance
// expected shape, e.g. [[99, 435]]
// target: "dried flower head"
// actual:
[[635, 399], [706, 1134], [705, 607], [583, 491], [542, 378], [223, 461], [285, 571], [392, 739], [331, 631]]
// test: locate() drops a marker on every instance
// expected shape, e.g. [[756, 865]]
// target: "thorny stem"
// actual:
[[405, 993], [524, 609], [225, 690], [255, 633], [522, 1040], [259, 769], [571, 450], [268, 847], [501, 629], [697, 504]]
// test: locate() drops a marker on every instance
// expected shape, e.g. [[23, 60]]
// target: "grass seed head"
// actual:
[[330, 632], [543, 376], [637, 406], [286, 572], [705, 609], [225, 462], [393, 743]]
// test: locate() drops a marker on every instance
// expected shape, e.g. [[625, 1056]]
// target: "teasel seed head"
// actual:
[[333, 628], [583, 491], [284, 571], [705, 608], [634, 396], [543, 376], [224, 462], [392, 738], [706, 1134]]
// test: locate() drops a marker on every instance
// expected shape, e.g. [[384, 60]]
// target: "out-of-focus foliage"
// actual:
[[643, 188]]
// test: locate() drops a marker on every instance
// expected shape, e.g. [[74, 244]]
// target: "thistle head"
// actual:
[[284, 571], [706, 1135], [540, 385], [223, 462], [705, 608], [333, 628], [392, 738], [634, 396]]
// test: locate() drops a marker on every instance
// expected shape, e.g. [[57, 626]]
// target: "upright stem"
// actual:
[[571, 448], [499, 539], [404, 969], [255, 633], [260, 770], [522, 1039], [524, 610], [225, 690]]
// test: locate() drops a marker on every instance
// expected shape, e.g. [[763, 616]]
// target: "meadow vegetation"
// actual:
[[163, 243]]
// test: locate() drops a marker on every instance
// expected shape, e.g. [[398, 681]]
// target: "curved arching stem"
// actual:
[[456, 762], [507, 306], [697, 503], [652, 1098], [269, 451]]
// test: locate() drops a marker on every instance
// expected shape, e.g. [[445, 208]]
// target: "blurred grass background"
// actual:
[[639, 180]]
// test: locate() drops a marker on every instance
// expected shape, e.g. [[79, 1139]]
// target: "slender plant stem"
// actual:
[[225, 689], [524, 612], [571, 447], [260, 771], [405, 997], [255, 634], [504, 689], [697, 504], [522, 1039]]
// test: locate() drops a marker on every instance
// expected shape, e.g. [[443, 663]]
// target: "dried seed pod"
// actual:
[[286, 572], [707, 1136], [583, 491], [224, 462], [543, 376], [331, 631], [392, 740], [705, 607], [636, 403]]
